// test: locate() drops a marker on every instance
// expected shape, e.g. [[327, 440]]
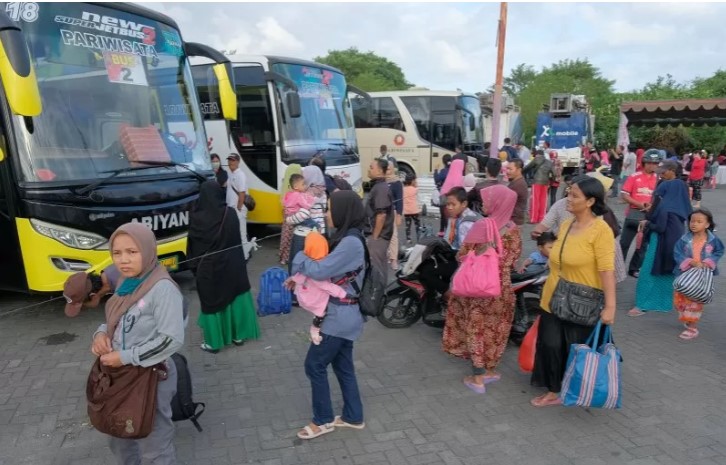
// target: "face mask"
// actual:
[[216, 165]]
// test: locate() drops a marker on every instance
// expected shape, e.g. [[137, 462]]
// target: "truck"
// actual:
[[566, 125]]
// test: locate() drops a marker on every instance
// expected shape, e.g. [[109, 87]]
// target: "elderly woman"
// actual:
[[589, 260], [477, 329]]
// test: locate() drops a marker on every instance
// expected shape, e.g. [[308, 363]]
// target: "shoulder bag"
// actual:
[[573, 302]]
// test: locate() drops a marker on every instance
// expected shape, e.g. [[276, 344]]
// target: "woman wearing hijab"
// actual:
[[227, 308], [315, 181], [665, 226], [144, 327], [343, 323], [477, 329], [286, 237]]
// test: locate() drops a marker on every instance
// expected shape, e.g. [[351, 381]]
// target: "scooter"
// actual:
[[527, 289], [407, 301]]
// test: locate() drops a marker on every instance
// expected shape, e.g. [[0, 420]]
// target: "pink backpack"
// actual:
[[478, 275]]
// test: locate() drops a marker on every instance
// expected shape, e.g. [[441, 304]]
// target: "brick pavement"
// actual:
[[417, 410]]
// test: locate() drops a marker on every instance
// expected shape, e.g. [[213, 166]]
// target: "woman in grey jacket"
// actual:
[[343, 322], [144, 327]]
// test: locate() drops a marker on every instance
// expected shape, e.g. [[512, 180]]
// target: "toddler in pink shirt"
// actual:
[[313, 295]]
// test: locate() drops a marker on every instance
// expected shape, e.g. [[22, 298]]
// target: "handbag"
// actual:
[[573, 302], [249, 201], [528, 349], [122, 401], [478, 275], [592, 377], [696, 284]]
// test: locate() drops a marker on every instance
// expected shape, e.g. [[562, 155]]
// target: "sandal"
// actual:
[[207, 348], [308, 433], [492, 378], [340, 423], [238, 342], [478, 388], [542, 401], [636, 312], [690, 333]]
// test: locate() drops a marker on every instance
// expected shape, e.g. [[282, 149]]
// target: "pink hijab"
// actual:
[[485, 231], [455, 178], [498, 204]]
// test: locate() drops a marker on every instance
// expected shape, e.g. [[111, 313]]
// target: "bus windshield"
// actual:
[[472, 140], [326, 125], [116, 90]]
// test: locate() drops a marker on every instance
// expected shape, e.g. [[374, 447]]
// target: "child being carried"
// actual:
[[298, 199], [311, 294]]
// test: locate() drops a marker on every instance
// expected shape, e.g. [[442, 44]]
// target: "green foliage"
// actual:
[[368, 71], [532, 90]]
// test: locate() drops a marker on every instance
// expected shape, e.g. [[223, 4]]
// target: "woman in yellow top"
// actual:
[[588, 258]]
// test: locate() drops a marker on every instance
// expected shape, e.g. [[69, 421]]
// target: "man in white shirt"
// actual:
[[236, 192]]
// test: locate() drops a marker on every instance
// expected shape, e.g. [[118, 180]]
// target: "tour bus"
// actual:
[[289, 111], [100, 126], [418, 127]]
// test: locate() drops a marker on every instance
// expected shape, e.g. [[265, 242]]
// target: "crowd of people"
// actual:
[[579, 239]]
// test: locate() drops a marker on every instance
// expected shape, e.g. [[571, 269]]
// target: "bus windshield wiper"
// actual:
[[149, 165]]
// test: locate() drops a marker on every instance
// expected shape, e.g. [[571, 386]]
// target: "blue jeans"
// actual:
[[338, 352]]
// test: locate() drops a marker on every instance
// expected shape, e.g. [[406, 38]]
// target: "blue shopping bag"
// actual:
[[592, 378]]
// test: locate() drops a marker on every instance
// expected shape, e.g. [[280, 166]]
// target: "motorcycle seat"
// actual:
[[532, 272]]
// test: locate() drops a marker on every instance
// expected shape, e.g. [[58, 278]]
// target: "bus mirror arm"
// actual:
[[355, 90], [223, 72], [279, 78], [17, 71], [292, 98], [472, 122]]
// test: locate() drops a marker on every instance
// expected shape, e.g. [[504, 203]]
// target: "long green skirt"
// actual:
[[237, 322], [653, 293]]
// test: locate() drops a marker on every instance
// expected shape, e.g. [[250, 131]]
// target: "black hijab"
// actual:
[[346, 209], [214, 227]]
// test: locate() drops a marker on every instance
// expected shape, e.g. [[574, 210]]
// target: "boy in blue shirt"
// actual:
[[540, 258]]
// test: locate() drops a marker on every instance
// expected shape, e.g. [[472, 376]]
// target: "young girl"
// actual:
[[297, 198], [144, 327], [411, 207], [698, 248], [313, 295]]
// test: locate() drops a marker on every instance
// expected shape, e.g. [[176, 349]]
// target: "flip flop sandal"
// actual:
[[340, 423], [492, 378], [308, 433], [207, 348], [479, 389], [542, 402], [690, 333], [633, 312]]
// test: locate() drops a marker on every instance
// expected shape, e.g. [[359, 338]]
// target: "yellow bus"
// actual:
[[100, 126], [418, 127], [289, 111]]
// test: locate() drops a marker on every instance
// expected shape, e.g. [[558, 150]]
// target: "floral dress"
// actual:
[[478, 329], [688, 310]]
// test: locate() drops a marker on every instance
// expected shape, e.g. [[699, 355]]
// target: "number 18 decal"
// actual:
[[27, 11]]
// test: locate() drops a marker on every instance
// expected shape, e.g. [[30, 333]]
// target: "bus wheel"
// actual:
[[405, 171]]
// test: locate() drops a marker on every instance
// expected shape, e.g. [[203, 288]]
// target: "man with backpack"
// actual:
[[380, 216]]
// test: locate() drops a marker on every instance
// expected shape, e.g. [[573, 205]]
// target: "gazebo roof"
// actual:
[[687, 112]]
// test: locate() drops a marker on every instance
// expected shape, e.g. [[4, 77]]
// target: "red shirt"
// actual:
[[640, 187], [698, 170]]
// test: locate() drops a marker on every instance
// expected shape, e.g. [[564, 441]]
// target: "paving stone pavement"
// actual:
[[417, 410]]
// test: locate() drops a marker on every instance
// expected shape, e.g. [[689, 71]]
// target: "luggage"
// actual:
[[273, 298]]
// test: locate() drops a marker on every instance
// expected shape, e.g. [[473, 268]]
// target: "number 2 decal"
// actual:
[[126, 75]]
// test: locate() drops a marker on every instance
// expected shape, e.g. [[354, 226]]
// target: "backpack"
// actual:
[[273, 297], [182, 405], [371, 296]]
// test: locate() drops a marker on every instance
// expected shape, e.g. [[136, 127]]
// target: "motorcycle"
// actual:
[[527, 289], [407, 300]]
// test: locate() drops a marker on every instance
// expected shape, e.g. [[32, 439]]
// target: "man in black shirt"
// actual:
[[616, 167], [380, 216]]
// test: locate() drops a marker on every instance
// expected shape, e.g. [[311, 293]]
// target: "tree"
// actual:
[[368, 71]]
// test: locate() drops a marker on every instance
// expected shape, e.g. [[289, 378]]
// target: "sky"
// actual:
[[448, 46]]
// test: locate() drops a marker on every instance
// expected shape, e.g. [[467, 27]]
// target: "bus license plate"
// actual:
[[171, 263]]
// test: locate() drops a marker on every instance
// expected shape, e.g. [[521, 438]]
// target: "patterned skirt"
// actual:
[[688, 310], [285, 241]]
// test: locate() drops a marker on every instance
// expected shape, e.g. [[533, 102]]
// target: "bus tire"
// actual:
[[405, 171]]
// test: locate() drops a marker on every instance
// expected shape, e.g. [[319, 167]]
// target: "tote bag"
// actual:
[[478, 276], [592, 378], [696, 284]]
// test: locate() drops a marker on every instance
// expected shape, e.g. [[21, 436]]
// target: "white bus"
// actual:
[[289, 111], [418, 127]]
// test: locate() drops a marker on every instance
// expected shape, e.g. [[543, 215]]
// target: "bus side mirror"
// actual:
[[292, 102], [472, 124], [16, 70], [227, 95]]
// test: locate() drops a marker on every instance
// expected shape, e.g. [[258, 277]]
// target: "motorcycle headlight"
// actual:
[[68, 236]]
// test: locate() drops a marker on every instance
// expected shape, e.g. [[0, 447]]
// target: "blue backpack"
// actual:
[[273, 297]]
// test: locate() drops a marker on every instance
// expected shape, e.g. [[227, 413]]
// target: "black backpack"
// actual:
[[182, 405], [371, 296]]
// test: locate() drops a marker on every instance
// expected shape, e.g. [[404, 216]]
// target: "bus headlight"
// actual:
[[68, 236]]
